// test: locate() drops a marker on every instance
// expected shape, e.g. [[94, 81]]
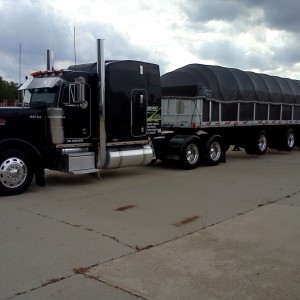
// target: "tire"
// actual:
[[288, 141], [190, 156], [16, 172], [214, 152], [258, 145]]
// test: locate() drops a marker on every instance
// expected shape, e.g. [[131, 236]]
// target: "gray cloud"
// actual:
[[277, 14], [289, 55], [228, 54], [117, 46], [203, 11], [242, 17], [32, 26], [282, 15], [37, 28]]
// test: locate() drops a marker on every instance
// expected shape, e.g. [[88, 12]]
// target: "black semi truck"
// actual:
[[113, 114]]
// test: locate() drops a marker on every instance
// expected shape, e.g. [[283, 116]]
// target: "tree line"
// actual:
[[8, 90]]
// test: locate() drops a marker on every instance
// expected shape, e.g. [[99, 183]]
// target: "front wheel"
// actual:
[[16, 172], [190, 156]]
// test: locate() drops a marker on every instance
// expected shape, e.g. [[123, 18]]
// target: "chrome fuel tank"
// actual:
[[128, 156]]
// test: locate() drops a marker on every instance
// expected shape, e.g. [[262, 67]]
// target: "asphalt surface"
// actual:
[[156, 232]]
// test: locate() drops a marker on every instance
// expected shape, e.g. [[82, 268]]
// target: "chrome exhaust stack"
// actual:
[[50, 60], [101, 93]]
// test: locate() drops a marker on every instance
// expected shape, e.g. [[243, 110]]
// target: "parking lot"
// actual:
[[156, 232]]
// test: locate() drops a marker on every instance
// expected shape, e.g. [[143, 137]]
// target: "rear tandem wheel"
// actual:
[[214, 151], [190, 157], [258, 144], [287, 141]]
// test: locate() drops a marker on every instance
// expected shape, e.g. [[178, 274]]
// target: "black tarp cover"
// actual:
[[227, 84]]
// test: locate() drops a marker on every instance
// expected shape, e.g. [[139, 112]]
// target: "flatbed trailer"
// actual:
[[226, 107]]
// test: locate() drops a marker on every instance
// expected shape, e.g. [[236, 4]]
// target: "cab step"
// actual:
[[79, 163]]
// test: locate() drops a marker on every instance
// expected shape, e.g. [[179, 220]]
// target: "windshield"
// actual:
[[39, 95]]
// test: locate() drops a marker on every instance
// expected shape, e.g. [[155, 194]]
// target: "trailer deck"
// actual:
[[200, 112]]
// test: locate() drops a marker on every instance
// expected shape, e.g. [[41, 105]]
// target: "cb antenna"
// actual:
[[75, 45], [20, 63]]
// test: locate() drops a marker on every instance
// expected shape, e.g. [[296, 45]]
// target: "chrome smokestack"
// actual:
[[50, 63], [101, 87]]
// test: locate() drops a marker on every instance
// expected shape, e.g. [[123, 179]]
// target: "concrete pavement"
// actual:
[[225, 232], [252, 256]]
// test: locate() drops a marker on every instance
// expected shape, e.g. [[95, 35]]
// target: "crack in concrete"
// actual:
[[79, 226], [116, 287], [48, 282], [114, 238], [84, 270], [277, 200]]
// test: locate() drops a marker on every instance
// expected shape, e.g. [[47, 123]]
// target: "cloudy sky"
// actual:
[[257, 35]]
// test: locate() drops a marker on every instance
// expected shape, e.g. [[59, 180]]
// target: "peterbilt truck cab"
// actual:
[[80, 120]]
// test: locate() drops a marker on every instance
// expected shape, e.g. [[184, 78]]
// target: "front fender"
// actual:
[[15, 143]]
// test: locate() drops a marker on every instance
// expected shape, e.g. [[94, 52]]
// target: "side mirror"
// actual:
[[80, 93], [76, 93]]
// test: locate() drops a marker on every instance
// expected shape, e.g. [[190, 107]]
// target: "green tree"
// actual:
[[8, 90]]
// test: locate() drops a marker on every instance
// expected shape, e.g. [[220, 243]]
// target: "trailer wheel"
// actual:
[[214, 150], [190, 156], [288, 142], [258, 145], [16, 172]]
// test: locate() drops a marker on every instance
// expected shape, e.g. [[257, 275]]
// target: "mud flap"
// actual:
[[40, 177]]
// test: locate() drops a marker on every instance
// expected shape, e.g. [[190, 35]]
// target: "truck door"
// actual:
[[138, 112], [76, 101]]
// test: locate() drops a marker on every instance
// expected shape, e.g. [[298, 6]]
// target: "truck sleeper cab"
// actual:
[[62, 126]]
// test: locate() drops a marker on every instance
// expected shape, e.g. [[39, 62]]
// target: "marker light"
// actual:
[[46, 73]]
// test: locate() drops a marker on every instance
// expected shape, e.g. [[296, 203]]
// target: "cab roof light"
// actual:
[[36, 73], [47, 73]]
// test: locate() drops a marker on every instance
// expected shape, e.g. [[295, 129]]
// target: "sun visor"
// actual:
[[36, 83]]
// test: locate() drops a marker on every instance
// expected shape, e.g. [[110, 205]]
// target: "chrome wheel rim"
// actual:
[[291, 140], [192, 154], [13, 172], [215, 151], [262, 143]]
